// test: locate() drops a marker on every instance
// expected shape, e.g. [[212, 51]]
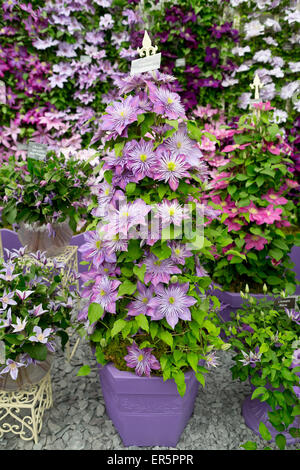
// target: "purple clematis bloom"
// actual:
[[172, 303], [212, 56], [7, 299], [141, 360], [171, 212], [23, 294], [179, 252], [93, 250], [104, 293], [12, 368], [121, 114], [140, 305], [165, 102], [293, 315], [40, 336], [180, 144], [159, 270], [8, 273], [141, 158], [171, 168], [37, 311]]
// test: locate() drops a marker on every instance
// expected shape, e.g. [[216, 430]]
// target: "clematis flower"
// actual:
[[121, 220], [255, 214], [6, 322], [251, 359], [293, 315], [7, 299], [141, 360], [172, 303], [165, 102], [141, 158], [20, 325], [171, 212], [179, 252], [8, 274], [274, 198], [23, 294], [255, 241], [12, 368], [94, 249], [141, 304], [270, 214], [120, 115], [37, 311], [180, 144], [159, 270], [104, 293], [40, 336], [171, 168], [212, 360]]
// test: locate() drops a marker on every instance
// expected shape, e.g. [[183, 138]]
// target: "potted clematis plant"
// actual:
[[265, 339], [34, 310], [46, 200], [251, 189], [146, 314]]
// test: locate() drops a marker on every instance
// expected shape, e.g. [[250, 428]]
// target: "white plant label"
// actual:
[[145, 64], [180, 62], [37, 151], [2, 93], [85, 59], [2, 352]]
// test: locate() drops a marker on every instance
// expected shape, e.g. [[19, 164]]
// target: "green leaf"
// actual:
[[127, 287], [142, 322], [84, 370], [276, 253], [200, 377], [280, 441], [118, 326], [258, 391], [166, 337], [130, 188], [249, 445], [37, 351], [95, 312], [140, 272], [180, 382], [273, 280], [153, 329], [287, 374], [193, 360], [162, 252], [264, 431]]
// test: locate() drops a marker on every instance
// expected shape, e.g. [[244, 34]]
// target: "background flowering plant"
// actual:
[[144, 308], [265, 341], [34, 310], [251, 187], [46, 191]]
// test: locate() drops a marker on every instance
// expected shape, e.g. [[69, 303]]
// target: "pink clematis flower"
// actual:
[[255, 241], [270, 214], [274, 198]]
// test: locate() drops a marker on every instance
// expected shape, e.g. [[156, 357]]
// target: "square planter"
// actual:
[[147, 411]]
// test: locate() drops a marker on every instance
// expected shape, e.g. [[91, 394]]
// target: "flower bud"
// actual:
[[174, 279], [102, 342], [225, 346], [247, 289], [265, 289], [251, 300]]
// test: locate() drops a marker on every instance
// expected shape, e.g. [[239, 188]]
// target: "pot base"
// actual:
[[147, 411], [254, 411]]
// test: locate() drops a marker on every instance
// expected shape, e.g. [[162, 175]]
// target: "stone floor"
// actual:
[[78, 420]]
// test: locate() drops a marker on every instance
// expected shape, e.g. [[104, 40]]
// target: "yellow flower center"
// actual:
[[125, 214], [102, 292], [171, 300], [105, 269], [170, 101], [253, 210], [157, 263], [122, 113], [12, 365], [98, 244], [171, 166], [177, 251], [106, 192], [172, 211], [179, 145], [143, 157], [145, 300], [141, 357], [40, 337], [273, 196]]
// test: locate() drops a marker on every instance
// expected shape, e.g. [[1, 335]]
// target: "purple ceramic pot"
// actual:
[[254, 411], [295, 258], [147, 411], [232, 301]]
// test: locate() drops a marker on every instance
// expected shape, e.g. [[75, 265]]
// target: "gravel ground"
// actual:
[[78, 420]]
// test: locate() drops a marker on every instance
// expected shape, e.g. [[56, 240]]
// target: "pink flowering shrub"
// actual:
[[144, 307], [252, 188]]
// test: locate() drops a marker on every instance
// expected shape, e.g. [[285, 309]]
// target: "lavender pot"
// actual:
[[254, 411], [147, 411], [295, 258], [232, 301]]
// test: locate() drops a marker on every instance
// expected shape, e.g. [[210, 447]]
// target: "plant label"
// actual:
[[85, 59], [2, 93], [2, 352], [287, 302], [180, 62], [37, 151], [145, 64]]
